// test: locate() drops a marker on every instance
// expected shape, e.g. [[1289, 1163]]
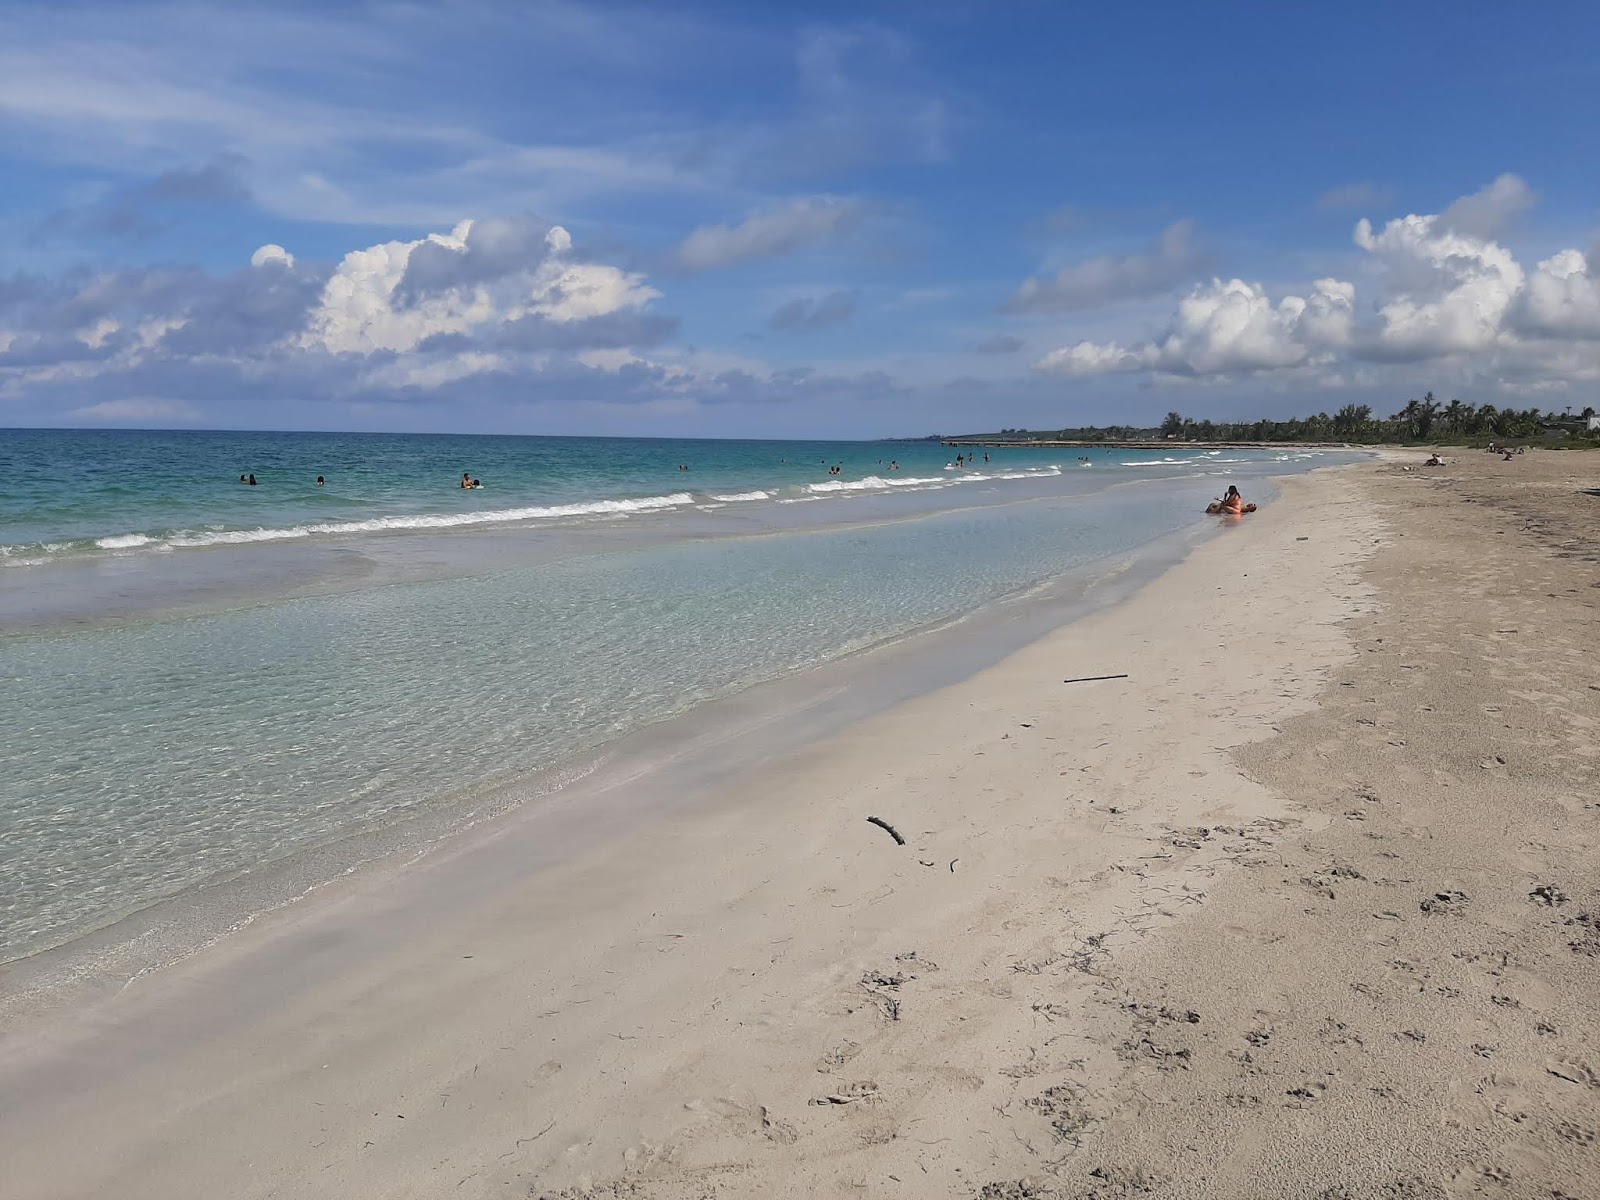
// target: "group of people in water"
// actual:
[[251, 481], [965, 462]]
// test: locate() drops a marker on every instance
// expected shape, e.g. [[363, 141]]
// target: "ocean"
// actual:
[[201, 678]]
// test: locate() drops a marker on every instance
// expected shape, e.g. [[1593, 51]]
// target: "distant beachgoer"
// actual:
[[894, 464], [321, 481], [1508, 456], [241, 479], [1522, 449], [477, 483], [985, 456], [251, 481], [466, 479], [1435, 461]]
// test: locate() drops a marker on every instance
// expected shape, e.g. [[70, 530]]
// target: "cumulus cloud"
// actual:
[[506, 300], [396, 295], [805, 313], [271, 253], [1443, 288], [774, 231], [1449, 292], [1226, 328], [1562, 299], [1166, 262]]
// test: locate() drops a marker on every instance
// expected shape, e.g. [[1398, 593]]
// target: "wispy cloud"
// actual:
[[771, 231], [135, 409], [367, 115], [805, 314], [1356, 195], [1171, 259], [1001, 343]]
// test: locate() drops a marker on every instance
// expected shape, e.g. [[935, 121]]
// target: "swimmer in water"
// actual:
[[251, 481], [321, 481]]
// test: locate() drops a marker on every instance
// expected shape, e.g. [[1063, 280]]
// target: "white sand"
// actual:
[[765, 996]]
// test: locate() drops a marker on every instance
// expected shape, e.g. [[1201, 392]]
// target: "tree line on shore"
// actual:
[[1422, 420]]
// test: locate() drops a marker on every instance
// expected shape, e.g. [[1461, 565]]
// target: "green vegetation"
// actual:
[[1420, 421]]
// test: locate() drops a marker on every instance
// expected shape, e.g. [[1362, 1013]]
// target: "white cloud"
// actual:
[[428, 374], [95, 335], [364, 308], [1486, 212], [1449, 292], [136, 409], [1443, 289], [1166, 262], [1226, 328], [271, 254], [1562, 298], [781, 229]]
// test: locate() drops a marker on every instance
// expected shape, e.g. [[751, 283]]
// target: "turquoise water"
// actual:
[[589, 588]]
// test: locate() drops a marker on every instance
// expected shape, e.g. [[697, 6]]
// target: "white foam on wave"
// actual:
[[1158, 462], [1035, 473], [438, 520], [871, 483], [600, 509], [124, 541], [738, 497]]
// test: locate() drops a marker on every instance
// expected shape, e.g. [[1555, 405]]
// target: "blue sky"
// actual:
[[791, 220]]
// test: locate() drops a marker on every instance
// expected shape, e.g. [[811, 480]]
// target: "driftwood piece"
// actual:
[[889, 829], [1092, 678]]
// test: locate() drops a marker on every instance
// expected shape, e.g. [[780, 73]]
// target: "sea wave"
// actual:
[[124, 541], [34, 553], [737, 497], [872, 483], [492, 516]]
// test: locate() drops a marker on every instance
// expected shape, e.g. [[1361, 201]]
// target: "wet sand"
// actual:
[[1306, 905]]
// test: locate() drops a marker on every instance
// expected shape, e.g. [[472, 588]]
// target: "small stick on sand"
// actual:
[[1092, 678], [890, 829]]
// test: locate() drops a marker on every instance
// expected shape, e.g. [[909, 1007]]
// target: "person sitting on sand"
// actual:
[[1435, 461]]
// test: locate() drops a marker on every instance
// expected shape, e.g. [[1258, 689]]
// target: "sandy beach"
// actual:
[[1302, 902]]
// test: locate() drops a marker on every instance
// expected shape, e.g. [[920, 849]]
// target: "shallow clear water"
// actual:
[[148, 756]]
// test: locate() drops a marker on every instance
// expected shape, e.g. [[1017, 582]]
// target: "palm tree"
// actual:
[[1427, 411], [1454, 415], [1352, 419]]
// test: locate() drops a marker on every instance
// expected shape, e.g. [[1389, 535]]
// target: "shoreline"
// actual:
[[249, 974], [156, 935]]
